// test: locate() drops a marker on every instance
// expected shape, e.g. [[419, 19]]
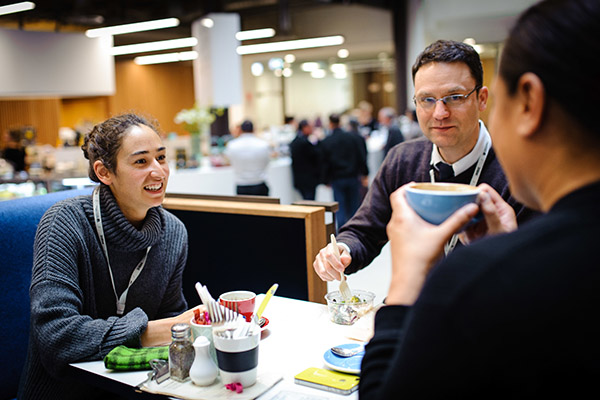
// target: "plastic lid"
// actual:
[[201, 341]]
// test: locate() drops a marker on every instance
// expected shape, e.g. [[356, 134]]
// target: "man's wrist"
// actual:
[[344, 246]]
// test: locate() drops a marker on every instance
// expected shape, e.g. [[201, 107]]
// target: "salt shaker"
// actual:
[[181, 352], [203, 371]]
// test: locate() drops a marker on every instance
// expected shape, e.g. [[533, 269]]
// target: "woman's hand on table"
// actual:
[[416, 245], [158, 332]]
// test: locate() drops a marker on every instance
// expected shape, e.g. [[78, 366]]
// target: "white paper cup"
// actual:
[[238, 359]]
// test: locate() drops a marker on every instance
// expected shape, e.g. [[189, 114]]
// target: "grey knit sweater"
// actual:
[[73, 306]]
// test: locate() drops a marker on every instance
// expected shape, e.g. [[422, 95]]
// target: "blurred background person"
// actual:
[[353, 128], [249, 156], [14, 151], [343, 165], [365, 118], [306, 161], [409, 125], [388, 129]]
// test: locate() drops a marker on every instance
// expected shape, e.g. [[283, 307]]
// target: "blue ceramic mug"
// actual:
[[434, 202]]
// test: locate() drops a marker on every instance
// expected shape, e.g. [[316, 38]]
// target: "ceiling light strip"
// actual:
[[154, 46], [17, 7], [291, 45], [255, 34], [165, 58], [135, 27]]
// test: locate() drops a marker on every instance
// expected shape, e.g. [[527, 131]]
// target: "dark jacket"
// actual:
[[342, 156], [306, 162], [394, 137]]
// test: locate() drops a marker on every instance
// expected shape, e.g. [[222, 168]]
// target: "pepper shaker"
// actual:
[[181, 352]]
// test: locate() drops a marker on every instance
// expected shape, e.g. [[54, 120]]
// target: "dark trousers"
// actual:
[[308, 192], [253, 190], [346, 192]]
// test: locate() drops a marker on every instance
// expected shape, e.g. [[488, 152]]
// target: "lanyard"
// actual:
[[474, 179], [138, 269]]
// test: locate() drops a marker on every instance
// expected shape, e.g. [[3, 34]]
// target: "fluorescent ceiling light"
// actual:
[[310, 66], [291, 45], [135, 27], [165, 58], [257, 68], [207, 22], [154, 46], [318, 73], [17, 7], [343, 53], [255, 34]]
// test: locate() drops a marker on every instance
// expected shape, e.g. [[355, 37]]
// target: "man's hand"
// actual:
[[499, 216], [416, 245], [330, 266]]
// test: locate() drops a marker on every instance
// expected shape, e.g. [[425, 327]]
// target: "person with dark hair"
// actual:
[[510, 316], [457, 147], [343, 164], [107, 268], [14, 151], [249, 156], [306, 161], [354, 129]]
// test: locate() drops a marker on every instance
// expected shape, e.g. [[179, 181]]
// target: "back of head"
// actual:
[[104, 140], [449, 51], [388, 112], [247, 126], [334, 119], [302, 124], [557, 40]]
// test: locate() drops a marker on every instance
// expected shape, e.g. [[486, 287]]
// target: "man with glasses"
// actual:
[[449, 97]]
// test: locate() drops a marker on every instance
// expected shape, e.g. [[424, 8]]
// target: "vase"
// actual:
[[196, 148], [205, 139]]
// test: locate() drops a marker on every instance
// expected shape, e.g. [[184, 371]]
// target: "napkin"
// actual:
[[123, 358]]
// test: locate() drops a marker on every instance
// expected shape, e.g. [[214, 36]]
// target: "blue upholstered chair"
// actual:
[[19, 219]]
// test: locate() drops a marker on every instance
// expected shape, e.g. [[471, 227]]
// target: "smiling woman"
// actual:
[[97, 258]]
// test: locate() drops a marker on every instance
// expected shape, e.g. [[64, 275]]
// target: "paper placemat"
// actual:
[[216, 391]]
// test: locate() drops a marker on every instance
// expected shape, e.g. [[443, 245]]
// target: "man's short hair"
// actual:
[[302, 124], [449, 51], [247, 126], [334, 119]]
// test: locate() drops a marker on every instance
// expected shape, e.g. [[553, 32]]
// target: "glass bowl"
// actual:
[[347, 313]]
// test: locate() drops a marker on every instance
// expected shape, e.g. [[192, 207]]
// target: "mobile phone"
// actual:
[[325, 379]]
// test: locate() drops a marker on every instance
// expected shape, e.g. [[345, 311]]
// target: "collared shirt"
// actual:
[[249, 156], [467, 161]]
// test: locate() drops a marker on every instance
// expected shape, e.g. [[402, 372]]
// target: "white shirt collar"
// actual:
[[467, 161]]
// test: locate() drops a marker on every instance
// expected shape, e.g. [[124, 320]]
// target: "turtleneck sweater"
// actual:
[[73, 305]]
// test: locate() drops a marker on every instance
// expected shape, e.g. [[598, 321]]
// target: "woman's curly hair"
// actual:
[[104, 140]]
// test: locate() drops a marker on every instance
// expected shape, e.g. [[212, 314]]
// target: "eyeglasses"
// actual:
[[451, 101]]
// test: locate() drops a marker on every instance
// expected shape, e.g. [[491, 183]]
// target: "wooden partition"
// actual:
[[247, 245]]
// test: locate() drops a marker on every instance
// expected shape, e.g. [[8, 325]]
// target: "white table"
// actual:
[[298, 334]]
